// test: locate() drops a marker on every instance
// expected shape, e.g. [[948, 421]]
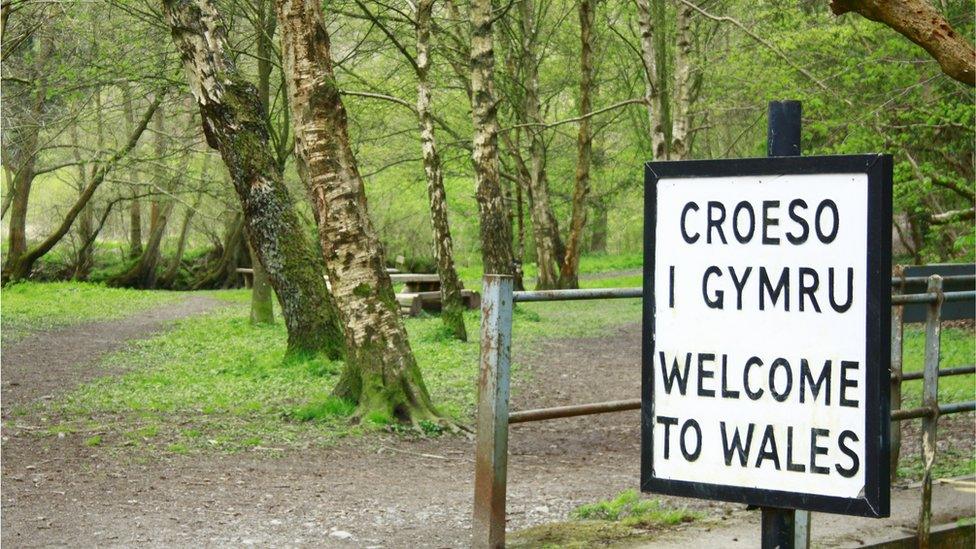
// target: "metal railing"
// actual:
[[494, 382]]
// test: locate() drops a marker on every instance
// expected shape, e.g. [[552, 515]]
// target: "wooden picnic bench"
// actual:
[[417, 282], [422, 291]]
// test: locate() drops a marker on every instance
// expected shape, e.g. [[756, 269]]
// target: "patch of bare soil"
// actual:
[[47, 363], [378, 491]]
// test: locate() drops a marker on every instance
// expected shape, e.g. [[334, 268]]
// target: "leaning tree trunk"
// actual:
[[496, 233], [452, 308], [234, 247], [20, 267], [381, 374], [143, 274], [569, 274], [234, 124], [544, 228]]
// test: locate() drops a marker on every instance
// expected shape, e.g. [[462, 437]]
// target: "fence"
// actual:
[[493, 416]]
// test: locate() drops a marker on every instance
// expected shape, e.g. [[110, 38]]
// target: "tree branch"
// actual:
[[547, 125], [921, 23]]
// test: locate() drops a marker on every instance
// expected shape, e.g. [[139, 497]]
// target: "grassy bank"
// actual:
[[215, 382]]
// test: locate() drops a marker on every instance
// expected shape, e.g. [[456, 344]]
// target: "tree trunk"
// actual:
[[544, 230], [598, 235], [653, 94], [20, 267], [8, 192], [569, 274], [496, 233], [234, 124], [681, 116], [20, 152], [169, 277], [84, 257], [452, 308], [262, 306], [144, 273], [234, 247], [381, 374], [135, 209], [918, 21]]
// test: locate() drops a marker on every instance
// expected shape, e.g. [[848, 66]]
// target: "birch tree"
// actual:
[[381, 374], [452, 308], [495, 229], [234, 124]]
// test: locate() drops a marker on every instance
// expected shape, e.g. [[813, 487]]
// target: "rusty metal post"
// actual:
[[491, 447], [897, 336], [930, 400]]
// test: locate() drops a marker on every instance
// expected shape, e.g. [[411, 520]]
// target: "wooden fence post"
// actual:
[[491, 447], [930, 400], [897, 330]]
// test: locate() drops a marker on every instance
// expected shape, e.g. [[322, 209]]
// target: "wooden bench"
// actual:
[[248, 276], [422, 291], [417, 282], [431, 301]]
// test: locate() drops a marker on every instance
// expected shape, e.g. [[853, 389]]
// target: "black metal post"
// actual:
[[782, 139], [777, 528], [783, 130]]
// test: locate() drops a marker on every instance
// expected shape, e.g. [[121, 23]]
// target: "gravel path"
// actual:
[[47, 363], [375, 491]]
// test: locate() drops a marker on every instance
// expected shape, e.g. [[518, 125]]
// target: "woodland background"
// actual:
[[78, 76]]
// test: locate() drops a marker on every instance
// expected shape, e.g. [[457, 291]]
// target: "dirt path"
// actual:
[[379, 491], [50, 362]]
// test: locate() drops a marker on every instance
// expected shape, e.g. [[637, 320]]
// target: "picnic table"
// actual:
[[417, 282], [421, 291]]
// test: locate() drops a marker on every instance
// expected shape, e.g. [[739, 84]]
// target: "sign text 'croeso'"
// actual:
[[766, 352]]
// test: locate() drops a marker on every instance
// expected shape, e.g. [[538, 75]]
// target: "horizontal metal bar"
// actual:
[[924, 279], [957, 407], [574, 295], [957, 371], [541, 414], [624, 293], [930, 297], [954, 408]]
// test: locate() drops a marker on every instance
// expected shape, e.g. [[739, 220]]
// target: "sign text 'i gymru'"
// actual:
[[766, 331]]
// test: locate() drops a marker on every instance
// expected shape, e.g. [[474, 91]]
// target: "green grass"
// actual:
[[629, 509], [215, 382], [958, 349], [31, 306], [624, 520]]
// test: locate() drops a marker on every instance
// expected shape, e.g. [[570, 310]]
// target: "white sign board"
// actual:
[[766, 336]]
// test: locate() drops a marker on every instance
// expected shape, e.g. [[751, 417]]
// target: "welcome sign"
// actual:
[[766, 331]]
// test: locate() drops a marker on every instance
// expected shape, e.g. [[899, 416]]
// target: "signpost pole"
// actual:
[[779, 527]]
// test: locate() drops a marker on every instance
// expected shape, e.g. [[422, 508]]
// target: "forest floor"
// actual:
[[380, 489]]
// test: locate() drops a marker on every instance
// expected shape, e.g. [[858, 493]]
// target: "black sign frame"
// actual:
[[875, 500]]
